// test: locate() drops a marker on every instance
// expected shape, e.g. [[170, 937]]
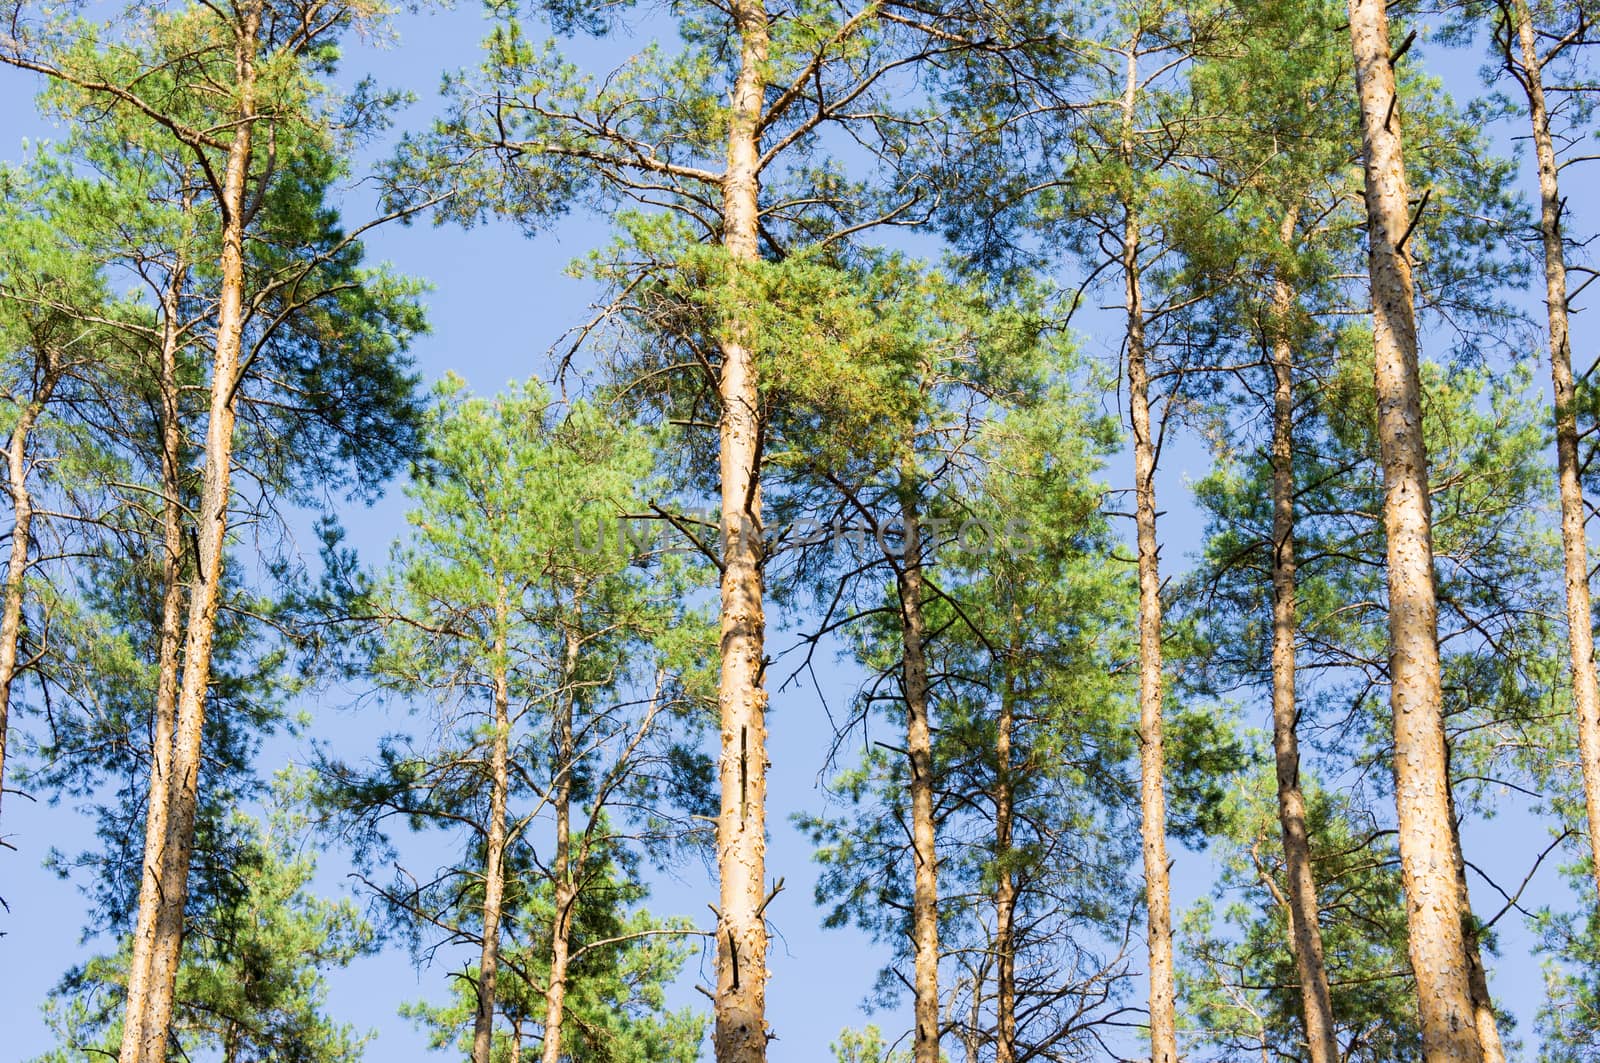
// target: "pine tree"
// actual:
[[275, 247], [252, 987], [528, 632], [1453, 1027], [724, 157]]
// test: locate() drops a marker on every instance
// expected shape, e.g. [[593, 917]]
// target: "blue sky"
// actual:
[[499, 302]]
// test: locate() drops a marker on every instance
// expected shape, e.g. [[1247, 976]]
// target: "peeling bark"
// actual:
[[740, 997], [1437, 942]]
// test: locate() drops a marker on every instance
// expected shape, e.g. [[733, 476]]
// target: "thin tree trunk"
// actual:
[[566, 891], [740, 998], [1433, 906], [1574, 536], [494, 875], [162, 725], [1305, 929], [919, 747], [1152, 755], [1005, 887], [1477, 978], [21, 538], [1478, 982], [165, 939], [974, 1036]]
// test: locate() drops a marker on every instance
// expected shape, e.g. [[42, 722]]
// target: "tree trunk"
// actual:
[[1005, 886], [566, 892], [1477, 978], [1433, 906], [1574, 536], [1152, 755], [974, 1034], [1483, 1017], [21, 538], [165, 937], [494, 875], [1305, 928], [919, 747], [740, 999], [162, 725]]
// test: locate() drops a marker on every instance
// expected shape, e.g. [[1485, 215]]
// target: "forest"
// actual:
[[882, 531]]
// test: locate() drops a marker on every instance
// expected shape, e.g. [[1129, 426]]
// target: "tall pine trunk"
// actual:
[[1574, 535], [919, 750], [1305, 929], [167, 663], [740, 998], [50, 370], [1437, 937], [566, 891], [1152, 755], [494, 872], [1005, 884], [161, 931]]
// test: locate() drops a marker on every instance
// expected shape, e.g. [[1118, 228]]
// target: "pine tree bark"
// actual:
[[1483, 1017], [1574, 532], [1435, 920], [740, 998], [1005, 885], [1305, 929], [494, 875], [1152, 754], [919, 748], [566, 892], [1477, 978], [167, 664], [165, 936], [50, 370]]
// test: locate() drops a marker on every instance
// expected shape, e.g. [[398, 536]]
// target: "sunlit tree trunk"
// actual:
[[1433, 904], [566, 891], [740, 998], [17, 469], [167, 663], [1477, 978], [1152, 755], [164, 938], [919, 749], [494, 874], [1574, 535], [1305, 929]]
